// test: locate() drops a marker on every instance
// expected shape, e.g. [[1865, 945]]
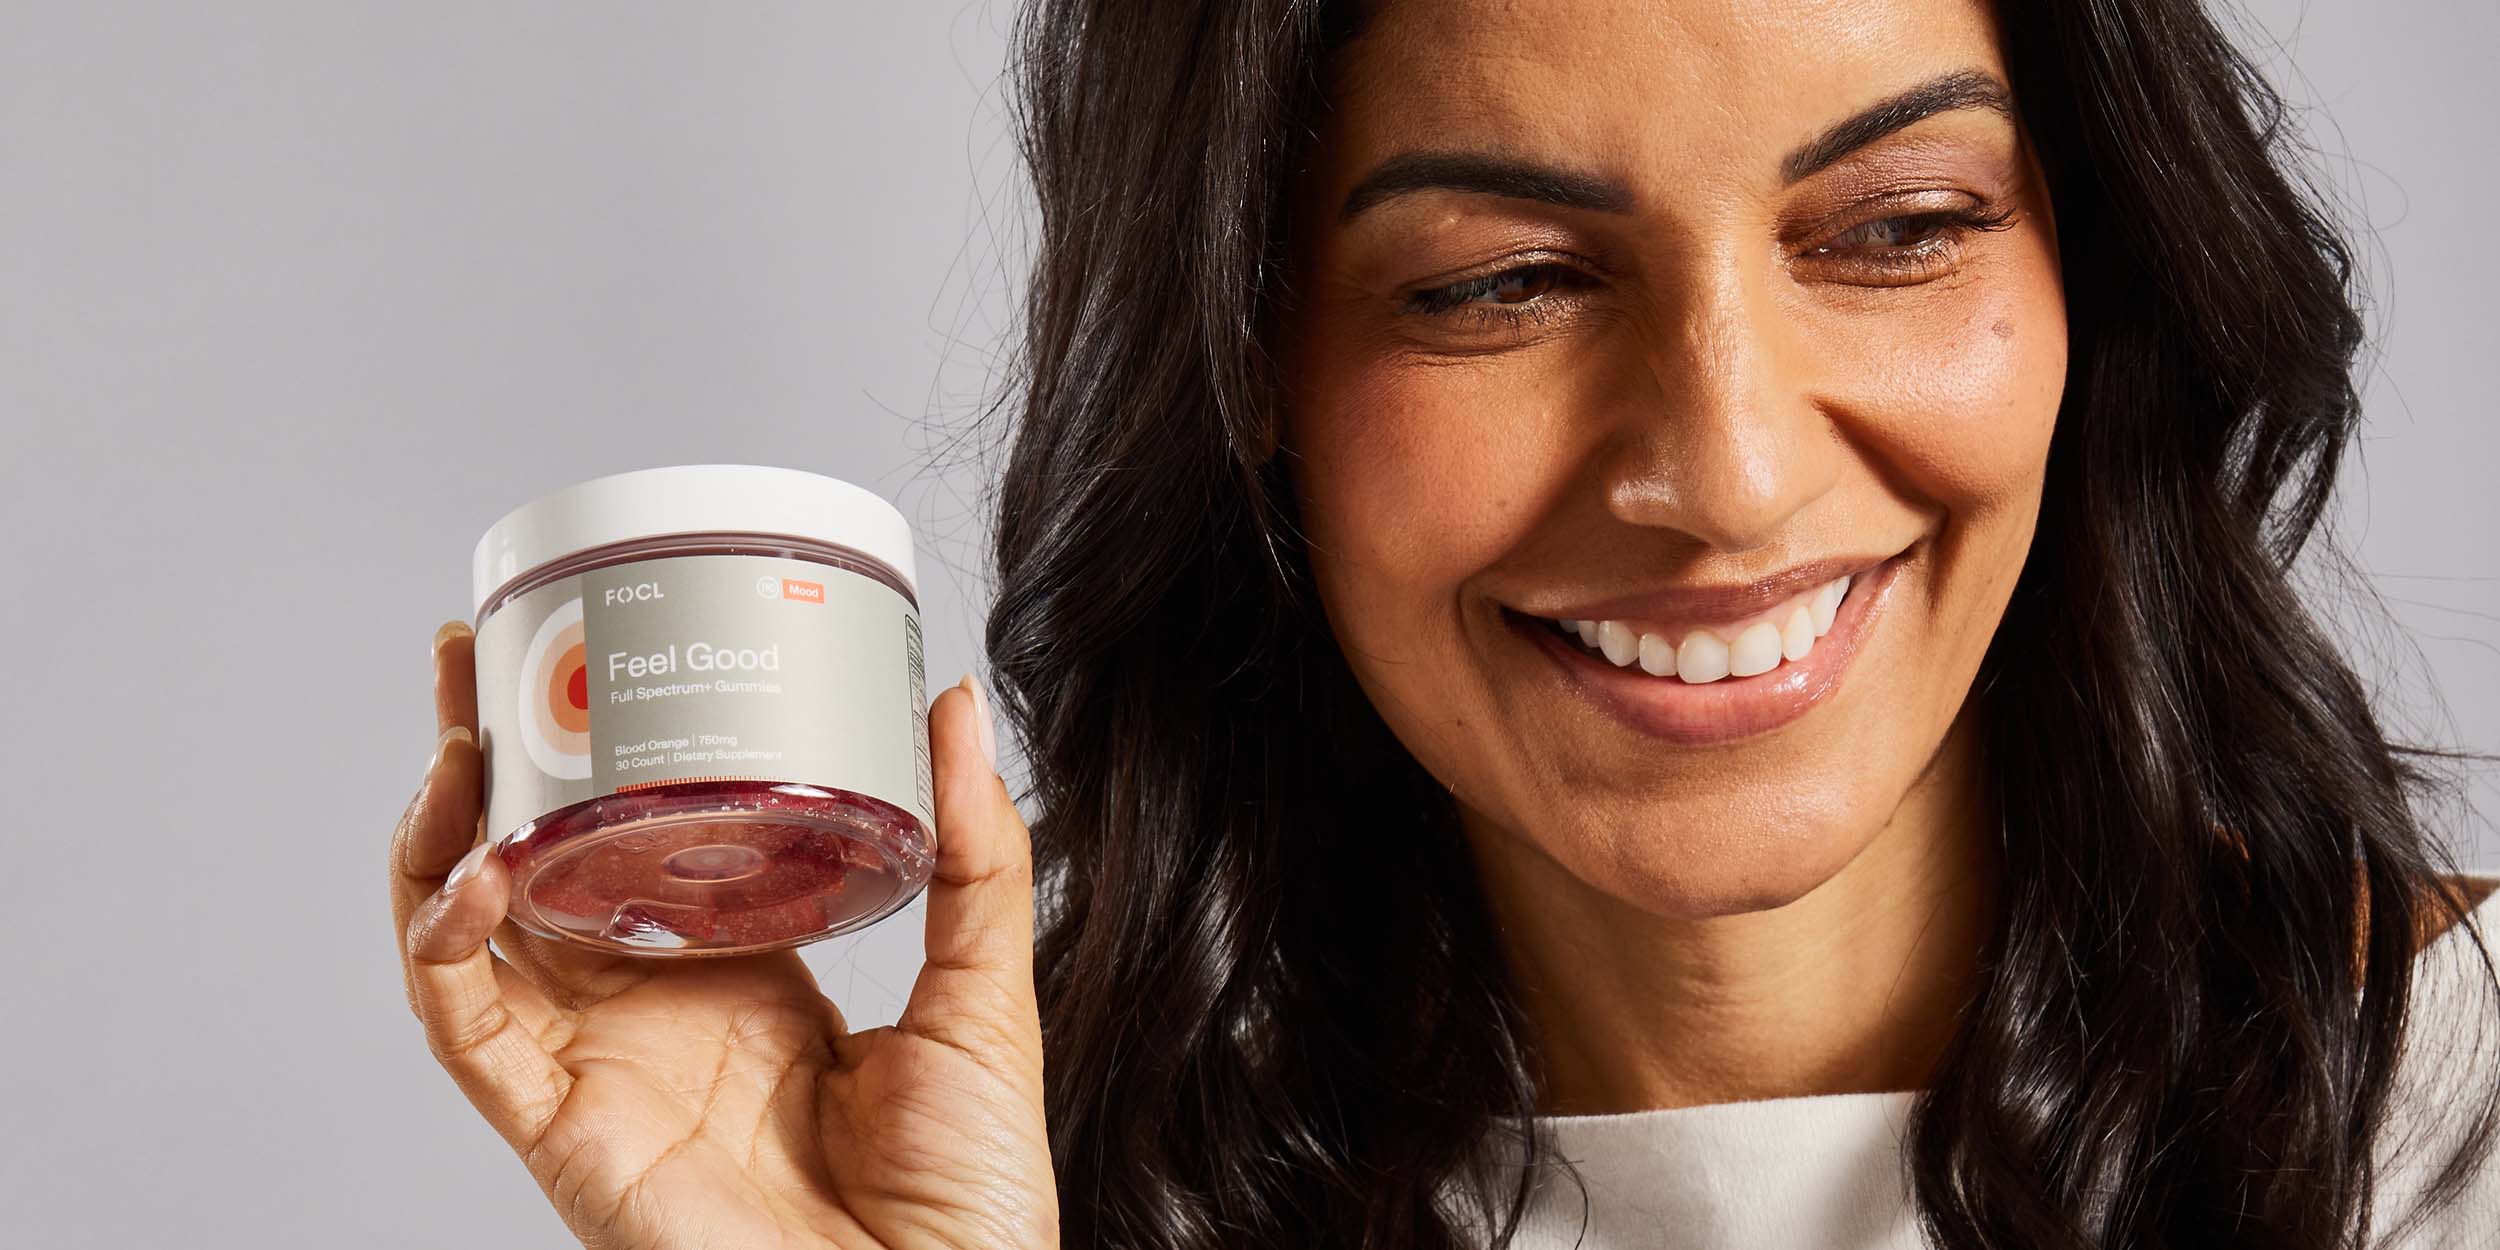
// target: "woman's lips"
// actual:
[[1703, 713]]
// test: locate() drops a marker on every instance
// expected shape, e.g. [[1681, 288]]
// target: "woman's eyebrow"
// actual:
[[1961, 89], [1485, 173]]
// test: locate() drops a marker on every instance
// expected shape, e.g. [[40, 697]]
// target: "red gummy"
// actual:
[[821, 866]]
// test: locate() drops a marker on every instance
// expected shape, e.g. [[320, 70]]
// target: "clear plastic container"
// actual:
[[700, 694]]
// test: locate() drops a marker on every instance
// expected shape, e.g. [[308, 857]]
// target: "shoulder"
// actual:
[[2445, 1078]]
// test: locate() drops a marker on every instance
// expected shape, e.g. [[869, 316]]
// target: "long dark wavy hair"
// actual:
[[1273, 1006]]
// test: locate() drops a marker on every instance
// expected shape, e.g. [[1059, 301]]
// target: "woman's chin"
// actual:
[[1736, 887], [1697, 875]]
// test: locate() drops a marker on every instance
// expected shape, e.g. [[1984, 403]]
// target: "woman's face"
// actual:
[[1669, 317]]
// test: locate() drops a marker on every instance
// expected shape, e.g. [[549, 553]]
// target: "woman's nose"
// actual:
[[1721, 436]]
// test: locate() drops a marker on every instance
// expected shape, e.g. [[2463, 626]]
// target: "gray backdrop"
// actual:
[[296, 297]]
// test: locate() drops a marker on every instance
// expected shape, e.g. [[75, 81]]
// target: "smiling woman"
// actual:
[[1652, 583], [1652, 624]]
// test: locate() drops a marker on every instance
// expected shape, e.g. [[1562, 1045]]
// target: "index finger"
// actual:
[[455, 677], [571, 974]]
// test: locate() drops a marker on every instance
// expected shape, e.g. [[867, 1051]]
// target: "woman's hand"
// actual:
[[721, 1102]]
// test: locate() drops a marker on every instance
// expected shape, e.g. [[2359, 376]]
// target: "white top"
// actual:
[[689, 499], [1829, 1172]]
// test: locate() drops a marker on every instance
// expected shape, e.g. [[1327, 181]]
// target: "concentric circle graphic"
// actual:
[[555, 696]]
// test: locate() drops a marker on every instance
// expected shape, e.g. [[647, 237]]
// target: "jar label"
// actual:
[[701, 668]]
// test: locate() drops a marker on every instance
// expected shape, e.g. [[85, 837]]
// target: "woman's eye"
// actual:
[[1501, 293], [1910, 244], [1896, 231]]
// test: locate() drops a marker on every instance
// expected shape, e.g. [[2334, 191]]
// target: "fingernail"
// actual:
[[985, 731], [442, 744], [449, 630], [467, 867]]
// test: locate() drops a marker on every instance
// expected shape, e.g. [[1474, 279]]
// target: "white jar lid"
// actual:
[[690, 499]]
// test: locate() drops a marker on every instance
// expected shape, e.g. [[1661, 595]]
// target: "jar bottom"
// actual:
[[714, 867]]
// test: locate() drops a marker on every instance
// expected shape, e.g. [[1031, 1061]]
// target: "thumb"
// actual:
[[975, 990]]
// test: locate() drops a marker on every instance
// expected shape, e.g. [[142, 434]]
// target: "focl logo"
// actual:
[[808, 592]]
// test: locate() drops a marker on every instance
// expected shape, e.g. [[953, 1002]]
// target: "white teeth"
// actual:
[[1705, 656], [1825, 603], [1797, 636], [1618, 641], [1657, 656], [1702, 658], [1755, 651]]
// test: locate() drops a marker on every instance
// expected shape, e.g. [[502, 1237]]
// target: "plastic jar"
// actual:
[[701, 699]]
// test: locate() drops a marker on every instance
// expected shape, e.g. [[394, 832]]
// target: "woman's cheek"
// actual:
[[1954, 410], [1422, 474], [1958, 403]]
